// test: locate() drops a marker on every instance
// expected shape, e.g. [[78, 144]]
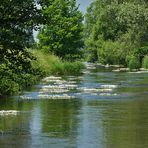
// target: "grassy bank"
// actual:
[[13, 81], [52, 65]]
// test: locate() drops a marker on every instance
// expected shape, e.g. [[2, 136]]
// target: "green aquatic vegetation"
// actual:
[[13, 81]]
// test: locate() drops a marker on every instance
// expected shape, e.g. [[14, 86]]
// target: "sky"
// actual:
[[84, 4]]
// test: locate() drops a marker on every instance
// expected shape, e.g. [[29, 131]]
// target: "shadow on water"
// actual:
[[109, 111]]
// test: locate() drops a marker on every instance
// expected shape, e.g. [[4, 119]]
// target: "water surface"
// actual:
[[100, 108]]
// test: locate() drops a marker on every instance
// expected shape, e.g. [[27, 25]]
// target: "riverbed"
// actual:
[[99, 108]]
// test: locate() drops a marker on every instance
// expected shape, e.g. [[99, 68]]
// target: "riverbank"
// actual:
[[121, 68], [52, 65], [13, 81]]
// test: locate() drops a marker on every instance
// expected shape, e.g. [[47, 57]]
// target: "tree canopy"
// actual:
[[18, 18], [117, 29], [62, 35]]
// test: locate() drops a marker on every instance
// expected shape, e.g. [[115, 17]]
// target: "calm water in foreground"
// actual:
[[107, 110]]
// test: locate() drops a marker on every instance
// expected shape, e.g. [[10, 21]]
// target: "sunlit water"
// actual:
[[99, 109]]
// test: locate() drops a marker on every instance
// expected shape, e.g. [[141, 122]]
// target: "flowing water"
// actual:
[[99, 109]]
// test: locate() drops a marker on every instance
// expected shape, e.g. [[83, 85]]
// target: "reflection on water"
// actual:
[[96, 117]]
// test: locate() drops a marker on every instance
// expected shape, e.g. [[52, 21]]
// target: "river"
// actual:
[[100, 108]]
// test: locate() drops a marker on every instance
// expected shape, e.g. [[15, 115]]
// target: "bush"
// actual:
[[51, 64], [145, 62], [134, 63], [44, 62], [72, 68], [111, 53], [8, 87], [12, 81]]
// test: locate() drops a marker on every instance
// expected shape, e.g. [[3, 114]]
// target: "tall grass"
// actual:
[[51, 64], [44, 62]]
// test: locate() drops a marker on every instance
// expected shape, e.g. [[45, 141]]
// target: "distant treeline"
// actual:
[[116, 32]]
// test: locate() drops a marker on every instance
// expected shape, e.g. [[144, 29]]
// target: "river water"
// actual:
[[99, 109]]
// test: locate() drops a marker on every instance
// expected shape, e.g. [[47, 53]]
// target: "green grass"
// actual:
[[44, 61], [52, 65]]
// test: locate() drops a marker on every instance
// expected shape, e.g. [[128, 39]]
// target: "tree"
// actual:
[[18, 18], [62, 33], [119, 25]]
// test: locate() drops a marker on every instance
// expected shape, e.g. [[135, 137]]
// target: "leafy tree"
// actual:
[[62, 33], [18, 18], [119, 25]]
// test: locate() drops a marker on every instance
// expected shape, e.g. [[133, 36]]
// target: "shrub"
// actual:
[[8, 87], [12, 81], [44, 62], [111, 53], [145, 62], [72, 68], [134, 63], [51, 64]]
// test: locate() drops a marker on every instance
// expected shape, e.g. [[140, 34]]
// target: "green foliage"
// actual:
[[111, 53], [18, 19], [92, 56], [8, 87], [134, 63], [145, 62], [44, 61], [12, 81], [117, 29], [62, 35], [62, 32], [67, 68], [50, 64], [7, 84]]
